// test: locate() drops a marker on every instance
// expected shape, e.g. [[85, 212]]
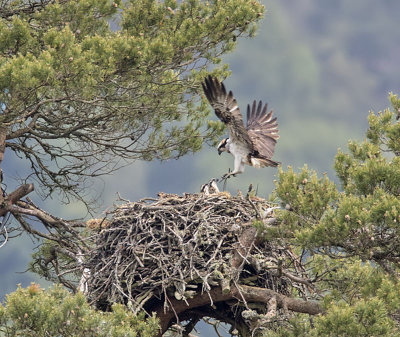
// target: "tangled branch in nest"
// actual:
[[173, 254], [179, 243]]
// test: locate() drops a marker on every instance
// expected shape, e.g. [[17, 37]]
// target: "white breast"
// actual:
[[238, 149]]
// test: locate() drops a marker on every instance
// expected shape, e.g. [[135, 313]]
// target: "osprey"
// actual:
[[254, 144], [210, 188]]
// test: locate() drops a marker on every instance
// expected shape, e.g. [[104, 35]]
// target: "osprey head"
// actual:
[[222, 146]]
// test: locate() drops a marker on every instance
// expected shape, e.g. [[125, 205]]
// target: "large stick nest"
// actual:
[[179, 246]]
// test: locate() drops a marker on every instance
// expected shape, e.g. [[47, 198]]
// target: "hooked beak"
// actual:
[[219, 151]]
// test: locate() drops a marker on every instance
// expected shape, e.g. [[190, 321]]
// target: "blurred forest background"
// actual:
[[322, 65]]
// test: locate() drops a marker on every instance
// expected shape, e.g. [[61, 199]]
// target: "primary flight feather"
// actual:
[[252, 145]]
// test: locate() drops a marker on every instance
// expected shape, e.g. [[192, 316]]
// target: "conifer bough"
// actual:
[[86, 86]]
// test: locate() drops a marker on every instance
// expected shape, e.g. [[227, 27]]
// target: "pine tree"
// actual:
[[348, 235], [78, 95], [87, 85], [33, 312]]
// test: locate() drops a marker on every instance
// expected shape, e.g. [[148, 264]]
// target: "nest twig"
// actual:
[[179, 256], [178, 246]]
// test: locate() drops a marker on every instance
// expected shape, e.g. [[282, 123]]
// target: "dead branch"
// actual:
[[252, 294]]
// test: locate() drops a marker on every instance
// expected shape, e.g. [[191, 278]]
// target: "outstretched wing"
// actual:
[[262, 129], [227, 110]]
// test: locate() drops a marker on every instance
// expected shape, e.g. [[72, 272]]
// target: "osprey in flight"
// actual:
[[254, 144]]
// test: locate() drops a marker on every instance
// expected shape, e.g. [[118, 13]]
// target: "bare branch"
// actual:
[[251, 294]]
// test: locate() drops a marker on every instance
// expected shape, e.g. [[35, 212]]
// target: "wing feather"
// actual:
[[227, 110], [262, 129], [261, 132]]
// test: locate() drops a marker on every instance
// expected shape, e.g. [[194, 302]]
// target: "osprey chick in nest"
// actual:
[[254, 144]]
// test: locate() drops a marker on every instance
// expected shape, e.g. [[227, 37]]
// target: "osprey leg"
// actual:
[[238, 168]]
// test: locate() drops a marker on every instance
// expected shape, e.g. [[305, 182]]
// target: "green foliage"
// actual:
[[361, 220], [366, 318], [71, 84], [308, 198], [360, 300], [349, 238], [55, 312], [43, 264]]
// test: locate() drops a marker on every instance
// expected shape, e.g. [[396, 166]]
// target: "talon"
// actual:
[[253, 145], [228, 175], [225, 176]]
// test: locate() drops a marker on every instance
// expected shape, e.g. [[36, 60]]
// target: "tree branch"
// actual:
[[12, 198], [250, 294], [244, 246], [29, 8]]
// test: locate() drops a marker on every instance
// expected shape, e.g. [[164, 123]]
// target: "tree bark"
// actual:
[[241, 293], [3, 136], [7, 200], [11, 199], [245, 246]]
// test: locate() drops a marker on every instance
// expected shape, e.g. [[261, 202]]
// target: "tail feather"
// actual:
[[258, 162]]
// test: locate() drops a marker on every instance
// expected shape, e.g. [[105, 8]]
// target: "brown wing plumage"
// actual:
[[226, 109], [262, 129], [261, 132]]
